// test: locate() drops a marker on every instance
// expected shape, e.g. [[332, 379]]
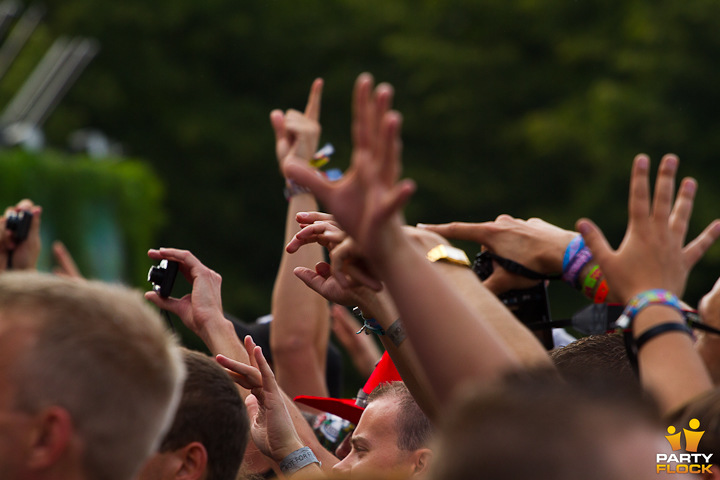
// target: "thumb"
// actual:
[[594, 239], [169, 304], [456, 230], [251, 403], [309, 177]]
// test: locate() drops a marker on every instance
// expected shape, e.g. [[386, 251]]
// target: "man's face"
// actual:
[[374, 443], [15, 426]]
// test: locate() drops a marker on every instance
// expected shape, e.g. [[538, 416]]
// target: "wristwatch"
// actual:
[[449, 254]]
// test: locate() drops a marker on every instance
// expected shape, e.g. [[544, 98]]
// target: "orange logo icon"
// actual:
[[692, 436]]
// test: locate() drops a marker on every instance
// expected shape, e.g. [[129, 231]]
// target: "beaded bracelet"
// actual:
[[645, 299]]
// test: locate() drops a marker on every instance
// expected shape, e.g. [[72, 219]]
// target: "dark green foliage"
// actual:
[[526, 108], [107, 213]]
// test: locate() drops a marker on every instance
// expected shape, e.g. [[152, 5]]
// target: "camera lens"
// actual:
[[12, 221], [156, 275]]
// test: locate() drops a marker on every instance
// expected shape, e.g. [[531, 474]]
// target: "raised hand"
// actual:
[[204, 303], [653, 253], [66, 266], [369, 196], [297, 134], [326, 233], [533, 243], [272, 427], [24, 254]]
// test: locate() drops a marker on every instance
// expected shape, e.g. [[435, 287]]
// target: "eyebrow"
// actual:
[[356, 440]]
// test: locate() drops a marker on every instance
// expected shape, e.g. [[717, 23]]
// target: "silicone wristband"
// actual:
[[653, 332], [575, 245]]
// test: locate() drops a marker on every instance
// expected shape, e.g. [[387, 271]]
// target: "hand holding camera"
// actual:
[[20, 236], [196, 309]]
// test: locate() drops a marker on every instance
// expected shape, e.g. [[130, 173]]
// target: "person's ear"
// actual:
[[194, 460], [421, 461], [51, 436]]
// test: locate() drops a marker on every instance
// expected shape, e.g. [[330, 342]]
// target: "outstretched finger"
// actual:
[[595, 241], [249, 344], [390, 147], [639, 199], [277, 120], [170, 304], [312, 217], [458, 230], [243, 374], [362, 111], [694, 250], [312, 278], [268, 377], [309, 177], [680, 215], [67, 266], [382, 100], [312, 109], [664, 188]]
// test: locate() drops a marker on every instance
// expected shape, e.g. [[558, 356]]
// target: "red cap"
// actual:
[[351, 409]]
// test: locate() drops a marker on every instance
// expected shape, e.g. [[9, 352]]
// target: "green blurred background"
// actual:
[[519, 107]]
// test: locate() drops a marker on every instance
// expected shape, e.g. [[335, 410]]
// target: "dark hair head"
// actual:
[[597, 358], [211, 412]]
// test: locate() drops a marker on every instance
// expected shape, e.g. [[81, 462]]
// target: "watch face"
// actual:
[[457, 255]]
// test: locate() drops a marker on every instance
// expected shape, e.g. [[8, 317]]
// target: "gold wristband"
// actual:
[[449, 254]]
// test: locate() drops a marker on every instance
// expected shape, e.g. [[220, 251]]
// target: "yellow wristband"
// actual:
[[449, 254]]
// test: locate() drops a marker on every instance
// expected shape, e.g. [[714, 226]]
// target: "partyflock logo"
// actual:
[[689, 462]]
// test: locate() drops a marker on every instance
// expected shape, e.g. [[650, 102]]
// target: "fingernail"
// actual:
[[671, 161], [643, 162], [690, 186], [421, 225], [584, 228]]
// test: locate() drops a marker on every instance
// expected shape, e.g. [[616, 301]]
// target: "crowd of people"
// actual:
[[93, 385]]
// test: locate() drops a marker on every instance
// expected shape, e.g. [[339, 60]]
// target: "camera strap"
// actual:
[[517, 268]]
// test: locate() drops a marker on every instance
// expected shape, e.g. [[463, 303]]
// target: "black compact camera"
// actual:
[[531, 305], [163, 276], [19, 224]]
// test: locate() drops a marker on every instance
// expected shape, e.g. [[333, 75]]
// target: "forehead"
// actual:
[[14, 338], [378, 421]]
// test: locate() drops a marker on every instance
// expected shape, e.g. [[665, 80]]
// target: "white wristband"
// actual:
[[302, 457]]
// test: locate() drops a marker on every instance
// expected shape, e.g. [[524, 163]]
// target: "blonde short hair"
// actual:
[[103, 354]]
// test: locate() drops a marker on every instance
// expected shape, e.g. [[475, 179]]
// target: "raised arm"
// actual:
[[649, 271], [271, 427], [374, 303], [201, 311], [535, 244], [454, 343], [708, 344], [301, 319]]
